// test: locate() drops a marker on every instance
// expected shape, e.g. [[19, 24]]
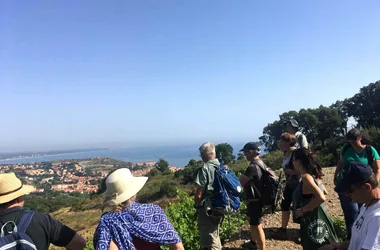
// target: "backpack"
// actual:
[[17, 239], [368, 148], [270, 185], [227, 187]]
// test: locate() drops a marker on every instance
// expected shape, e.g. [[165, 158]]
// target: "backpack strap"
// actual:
[[370, 156], [25, 220], [345, 147], [208, 180], [254, 189]]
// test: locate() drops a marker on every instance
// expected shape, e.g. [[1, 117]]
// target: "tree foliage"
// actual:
[[163, 166], [225, 153], [325, 127], [365, 106]]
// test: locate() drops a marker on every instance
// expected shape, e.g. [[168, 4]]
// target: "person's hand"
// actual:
[[299, 213]]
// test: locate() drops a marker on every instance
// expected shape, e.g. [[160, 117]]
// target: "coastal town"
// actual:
[[74, 176]]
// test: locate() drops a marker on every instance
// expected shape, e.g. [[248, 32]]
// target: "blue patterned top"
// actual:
[[144, 221]]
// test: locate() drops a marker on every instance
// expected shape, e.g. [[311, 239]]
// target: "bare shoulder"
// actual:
[[307, 177]]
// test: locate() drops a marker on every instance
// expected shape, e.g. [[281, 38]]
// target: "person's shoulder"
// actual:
[[299, 134], [307, 178], [43, 220], [253, 164], [41, 217], [373, 149]]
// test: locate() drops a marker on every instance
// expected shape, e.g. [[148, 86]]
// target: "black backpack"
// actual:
[[270, 185], [368, 148]]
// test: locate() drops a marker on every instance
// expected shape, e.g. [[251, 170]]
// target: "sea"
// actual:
[[177, 156]]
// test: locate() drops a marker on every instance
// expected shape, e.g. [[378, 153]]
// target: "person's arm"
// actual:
[[325, 191], [113, 246], [62, 236], [177, 246], [310, 187], [340, 246], [77, 243], [376, 163], [198, 195], [202, 182], [376, 168], [338, 168]]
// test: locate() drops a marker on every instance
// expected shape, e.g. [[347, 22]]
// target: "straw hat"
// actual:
[[11, 188], [122, 185]]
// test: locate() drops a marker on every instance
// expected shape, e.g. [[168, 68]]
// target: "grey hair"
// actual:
[[207, 148]]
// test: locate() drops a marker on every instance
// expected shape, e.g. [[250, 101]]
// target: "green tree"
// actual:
[[240, 157], [308, 121], [329, 123], [365, 106], [154, 172], [341, 108], [225, 153], [163, 166], [271, 134], [190, 171], [374, 135]]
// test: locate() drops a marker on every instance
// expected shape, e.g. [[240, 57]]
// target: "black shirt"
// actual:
[[254, 173], [43, 229]]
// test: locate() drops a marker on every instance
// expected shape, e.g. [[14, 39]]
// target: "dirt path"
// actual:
[[273, 221]]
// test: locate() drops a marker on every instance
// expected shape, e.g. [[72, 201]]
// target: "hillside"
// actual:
[[86, 221], [104, 163]]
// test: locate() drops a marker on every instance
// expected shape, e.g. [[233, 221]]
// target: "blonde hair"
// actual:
[[207, 148], [117, 207]]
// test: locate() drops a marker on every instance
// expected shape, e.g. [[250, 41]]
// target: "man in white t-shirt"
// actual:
[[360, 183], [293, 128]]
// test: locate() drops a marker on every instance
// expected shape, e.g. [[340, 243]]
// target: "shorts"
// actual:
[[288, 197], [255, 212]]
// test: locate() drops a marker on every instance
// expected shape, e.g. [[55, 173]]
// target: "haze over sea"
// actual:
[[177, 156]]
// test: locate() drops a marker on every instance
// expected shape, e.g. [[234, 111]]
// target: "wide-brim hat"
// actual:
[[121, 186], [12, 188]]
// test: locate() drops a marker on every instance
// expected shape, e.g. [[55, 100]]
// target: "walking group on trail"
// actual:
[[133, 225]]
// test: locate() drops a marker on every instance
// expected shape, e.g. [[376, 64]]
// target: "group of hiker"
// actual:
[[356, 182], [131, 225]]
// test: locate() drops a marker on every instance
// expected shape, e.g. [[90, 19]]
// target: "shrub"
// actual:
[[340, 228], [184, 219], [326, 160], [168, 188], [273, 159]]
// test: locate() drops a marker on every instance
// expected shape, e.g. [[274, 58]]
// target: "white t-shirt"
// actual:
[[366, 229], [301, 140]]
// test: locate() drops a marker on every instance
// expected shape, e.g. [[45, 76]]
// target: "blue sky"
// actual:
[[91, 73]]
